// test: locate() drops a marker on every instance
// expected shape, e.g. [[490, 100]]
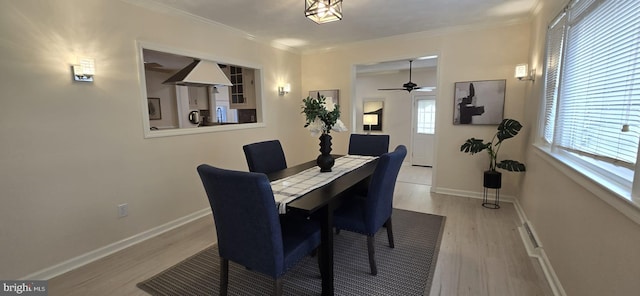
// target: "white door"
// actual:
[[424, 126]]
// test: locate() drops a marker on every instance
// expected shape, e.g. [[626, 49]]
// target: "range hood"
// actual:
[[199, 73]]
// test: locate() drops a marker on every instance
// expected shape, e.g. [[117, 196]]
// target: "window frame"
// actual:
[[623, 193]]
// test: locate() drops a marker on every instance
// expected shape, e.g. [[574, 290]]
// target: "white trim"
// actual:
[[86, 258], [550, 274], [199, 130], [258, 80], [538, 253]]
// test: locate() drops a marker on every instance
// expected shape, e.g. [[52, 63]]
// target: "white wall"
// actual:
[[71, 152], [593, 247], [463, 55]]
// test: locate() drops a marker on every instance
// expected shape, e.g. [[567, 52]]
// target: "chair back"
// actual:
[[379, 203], [369, 145], [246, 218], [265, 157]]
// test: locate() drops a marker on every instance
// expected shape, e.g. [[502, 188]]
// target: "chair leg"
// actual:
[[389, 232], [277, 287], [372, 252], [224, 276]]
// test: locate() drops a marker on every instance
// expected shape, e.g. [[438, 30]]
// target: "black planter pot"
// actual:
[[325, 161], [492, 180]]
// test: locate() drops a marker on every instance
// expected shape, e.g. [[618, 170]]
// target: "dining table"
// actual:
[[320, 203]]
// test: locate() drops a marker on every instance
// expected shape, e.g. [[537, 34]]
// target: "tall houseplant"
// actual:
[[321, 117], [507, 129]]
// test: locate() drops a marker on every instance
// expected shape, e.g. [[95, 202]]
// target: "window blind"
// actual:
[[579, 8], [600, 86], [555, 42]]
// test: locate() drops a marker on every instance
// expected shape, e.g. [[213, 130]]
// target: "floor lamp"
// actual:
[[370, 119]]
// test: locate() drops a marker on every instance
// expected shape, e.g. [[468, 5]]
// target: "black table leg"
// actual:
[[326, 249]]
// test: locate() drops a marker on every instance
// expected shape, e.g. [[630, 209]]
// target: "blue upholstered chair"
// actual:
[[265, 157], [250, 231], [370, 145], [367, 214]]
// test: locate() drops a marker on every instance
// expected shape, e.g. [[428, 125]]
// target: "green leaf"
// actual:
[[315, 108], [473, 146], [512, 165], [508, 128]]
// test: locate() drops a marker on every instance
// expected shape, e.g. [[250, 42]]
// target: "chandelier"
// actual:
[[323, 11]]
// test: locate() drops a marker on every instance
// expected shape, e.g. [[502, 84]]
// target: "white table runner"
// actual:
[[288, 189]]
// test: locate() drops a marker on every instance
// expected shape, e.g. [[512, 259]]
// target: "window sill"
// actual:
[[613, 194], [199, 130]]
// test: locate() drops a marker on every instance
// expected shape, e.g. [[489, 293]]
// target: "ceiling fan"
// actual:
[[409, 86]]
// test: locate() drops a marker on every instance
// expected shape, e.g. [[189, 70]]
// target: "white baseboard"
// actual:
[[73, 263], [538, 252]]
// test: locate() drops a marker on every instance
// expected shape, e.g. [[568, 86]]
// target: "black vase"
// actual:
[[325, 160], [492, 179]]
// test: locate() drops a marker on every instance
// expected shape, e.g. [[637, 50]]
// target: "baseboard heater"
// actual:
[[532, 238]]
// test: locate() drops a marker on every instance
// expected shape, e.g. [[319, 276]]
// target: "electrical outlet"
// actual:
[[123, 210]]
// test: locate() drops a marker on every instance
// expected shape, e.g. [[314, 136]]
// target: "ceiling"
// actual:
[[282, 23]]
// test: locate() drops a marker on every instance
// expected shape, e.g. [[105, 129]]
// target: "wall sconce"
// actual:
[[522, 72], [84, 71], [323, 11], [284, 89], [370, 119]]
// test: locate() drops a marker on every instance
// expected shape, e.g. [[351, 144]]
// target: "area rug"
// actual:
[[404, 270]]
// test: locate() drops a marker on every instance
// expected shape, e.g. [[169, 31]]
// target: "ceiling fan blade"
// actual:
[[392, 89], [424, 88]]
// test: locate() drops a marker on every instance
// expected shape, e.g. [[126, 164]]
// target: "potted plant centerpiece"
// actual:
[[321, 117], [507, 129]]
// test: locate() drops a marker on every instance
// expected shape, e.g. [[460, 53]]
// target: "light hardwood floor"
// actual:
[[481, 252]]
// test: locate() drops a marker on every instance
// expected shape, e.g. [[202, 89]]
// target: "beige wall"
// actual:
[[71, 152], [464, 55], [593, 247], [167, 96]]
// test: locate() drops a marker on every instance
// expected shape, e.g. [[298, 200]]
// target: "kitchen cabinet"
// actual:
[[242, 95]]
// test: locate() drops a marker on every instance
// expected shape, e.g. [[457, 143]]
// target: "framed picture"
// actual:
[[479, 102], [331, 94], [154, 109]]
